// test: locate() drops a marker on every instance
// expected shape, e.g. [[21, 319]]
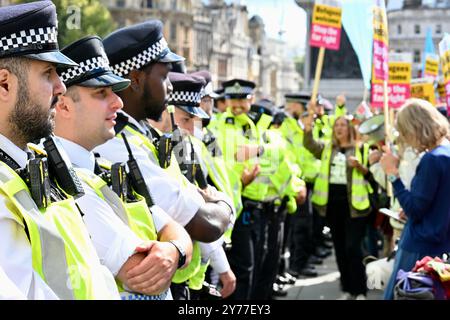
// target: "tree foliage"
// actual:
[[78, 18]]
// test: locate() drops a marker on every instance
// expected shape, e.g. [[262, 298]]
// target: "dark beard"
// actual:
[[29, 122], [151, 109]]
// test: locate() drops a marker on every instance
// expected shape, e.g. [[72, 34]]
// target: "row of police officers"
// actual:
[[120, 180]]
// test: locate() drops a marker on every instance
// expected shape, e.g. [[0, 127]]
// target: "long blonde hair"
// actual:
[[421, 125], [351, 132]]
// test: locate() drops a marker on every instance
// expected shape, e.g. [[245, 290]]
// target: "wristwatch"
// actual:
[[392, 177], [181, 252]]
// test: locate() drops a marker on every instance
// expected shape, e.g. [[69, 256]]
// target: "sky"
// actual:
[[282, 15]]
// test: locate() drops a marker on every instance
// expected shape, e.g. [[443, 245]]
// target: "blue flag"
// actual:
[[429, 48], [357, 20]]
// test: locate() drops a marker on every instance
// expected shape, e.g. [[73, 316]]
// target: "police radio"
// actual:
[[119, 181], [165, 150], [60, 167], [137, 179], [36, 177]]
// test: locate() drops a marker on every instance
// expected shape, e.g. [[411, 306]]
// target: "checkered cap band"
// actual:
[[143, 58], [25, 38], [185, 96], [99, 62]]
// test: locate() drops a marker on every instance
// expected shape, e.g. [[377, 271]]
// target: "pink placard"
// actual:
[[325, 36], [397, 93], [380, 60]]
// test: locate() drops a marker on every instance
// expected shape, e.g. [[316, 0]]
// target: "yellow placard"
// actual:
[[431, 66], [327, 16], [399, 72], [380, 30], [445, 61], [441, 90], [424, 91]]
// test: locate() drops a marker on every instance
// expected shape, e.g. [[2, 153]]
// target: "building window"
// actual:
[[186, 34], [120, 3], [173, 4], [222, 68], [438, 29], [149, 3], [417, 28], [173, 32], [399, 29], [416, 56]]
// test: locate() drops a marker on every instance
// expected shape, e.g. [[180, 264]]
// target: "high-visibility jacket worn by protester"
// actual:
[[360, 188]]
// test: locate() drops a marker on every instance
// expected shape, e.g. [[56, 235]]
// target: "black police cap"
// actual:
[[278, 118], [93, 68], [131, 48], [186, 93], [263, 106], [238, 88], [31, 30], [301, 97], [208, 88]]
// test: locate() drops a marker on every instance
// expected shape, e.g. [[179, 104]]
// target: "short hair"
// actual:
[[18, 66], [72, 92], [421, 125]]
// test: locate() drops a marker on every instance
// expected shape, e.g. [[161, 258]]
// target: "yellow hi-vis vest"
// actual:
[[141, 141], [136, 215], [293, 134], [196, 281], [360, 187], [62, 252]]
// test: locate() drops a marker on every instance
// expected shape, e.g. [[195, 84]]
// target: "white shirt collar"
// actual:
[[134, 122], [19, 155], [79, 156]]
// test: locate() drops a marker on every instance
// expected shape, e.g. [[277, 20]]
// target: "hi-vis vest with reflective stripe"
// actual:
[[136, 215], [141, 141], [293, 133], [62, 252], [215, 168], [360, 187]]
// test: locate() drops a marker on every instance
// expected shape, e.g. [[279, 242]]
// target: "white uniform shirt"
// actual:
[[113, 240], [179, 202], [15, 249], [8, 290]]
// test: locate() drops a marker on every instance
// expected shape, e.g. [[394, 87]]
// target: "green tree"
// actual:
[[78, 18]]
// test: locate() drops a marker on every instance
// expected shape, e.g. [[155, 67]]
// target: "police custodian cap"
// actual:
[[130, 48], [238, 89], [187, 93], [30, 30], [208, 88], [93, 68]]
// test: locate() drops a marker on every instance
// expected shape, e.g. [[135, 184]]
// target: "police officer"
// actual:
[[46, 251], [285, 189], [197, 163], [140, 53], [301, 224], [84, 119]]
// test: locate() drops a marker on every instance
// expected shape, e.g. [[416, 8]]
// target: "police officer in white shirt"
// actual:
[[186, 97], [29, 90], [84, 119], [140, 53]]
